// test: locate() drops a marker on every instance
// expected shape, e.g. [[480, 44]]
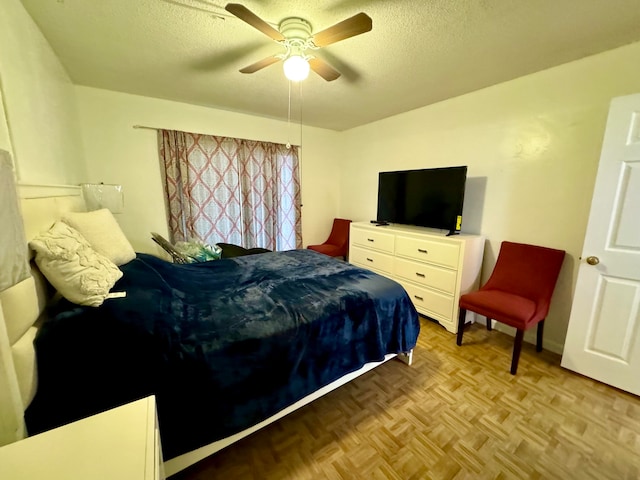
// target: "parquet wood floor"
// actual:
[[456, 413]]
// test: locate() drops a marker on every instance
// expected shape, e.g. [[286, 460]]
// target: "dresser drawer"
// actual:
[[431, 303], [425, 274], [433, 251], [371, 259], [370, 239]]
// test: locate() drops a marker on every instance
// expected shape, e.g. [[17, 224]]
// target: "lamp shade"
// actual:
[[99, 195], [296, 68], [14, 263]]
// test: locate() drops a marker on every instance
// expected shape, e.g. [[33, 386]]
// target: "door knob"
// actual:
[[593, 260]]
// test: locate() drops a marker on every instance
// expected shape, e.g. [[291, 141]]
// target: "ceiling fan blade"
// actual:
[[323, 69], [265, 62], [350, 27], [246, 15]]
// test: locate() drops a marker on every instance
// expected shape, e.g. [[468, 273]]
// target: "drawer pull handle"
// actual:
[[422, 250], [419, 298], [370, 240], [421, 275], [369, 259]]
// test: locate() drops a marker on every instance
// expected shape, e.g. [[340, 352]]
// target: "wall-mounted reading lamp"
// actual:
[[102, 195]]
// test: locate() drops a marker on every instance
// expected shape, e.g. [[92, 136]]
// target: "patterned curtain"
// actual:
[[231, 190]]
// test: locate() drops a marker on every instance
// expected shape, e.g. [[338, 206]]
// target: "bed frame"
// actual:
[[21, 309]]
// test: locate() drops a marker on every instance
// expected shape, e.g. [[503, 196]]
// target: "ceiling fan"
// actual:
[[295, 34]]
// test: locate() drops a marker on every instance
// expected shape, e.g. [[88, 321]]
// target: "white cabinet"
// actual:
[[122, 443], [433, 268]]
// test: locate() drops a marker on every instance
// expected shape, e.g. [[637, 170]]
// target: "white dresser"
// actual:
[[122, 444], [434, 269]]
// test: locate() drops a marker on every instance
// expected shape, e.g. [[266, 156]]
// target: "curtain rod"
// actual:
[[145, 127]]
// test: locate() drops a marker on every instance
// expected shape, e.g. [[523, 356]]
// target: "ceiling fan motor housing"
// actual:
[[295, 28], [297, 32]]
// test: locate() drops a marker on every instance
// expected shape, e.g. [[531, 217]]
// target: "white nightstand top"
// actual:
[[116, 444]]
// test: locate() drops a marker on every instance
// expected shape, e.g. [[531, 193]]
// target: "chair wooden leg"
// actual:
[[539, 336], [488, 324], [517, 347], [461, 317]]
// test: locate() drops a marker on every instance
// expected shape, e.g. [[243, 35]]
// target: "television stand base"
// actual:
[[379, 224]]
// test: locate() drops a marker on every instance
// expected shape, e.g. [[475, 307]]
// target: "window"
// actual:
[[231, 190]]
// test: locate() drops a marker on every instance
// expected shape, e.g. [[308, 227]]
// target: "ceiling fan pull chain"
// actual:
[[300, 115], [289, 119]]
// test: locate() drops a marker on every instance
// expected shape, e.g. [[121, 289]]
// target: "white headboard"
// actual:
[[21, 307]]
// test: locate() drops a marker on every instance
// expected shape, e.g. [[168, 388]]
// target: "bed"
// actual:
[[226, 346]]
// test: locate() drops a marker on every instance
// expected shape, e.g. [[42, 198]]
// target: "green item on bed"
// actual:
[[198, 252]]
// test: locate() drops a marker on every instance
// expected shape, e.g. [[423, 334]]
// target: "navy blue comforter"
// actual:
[[222, 344]]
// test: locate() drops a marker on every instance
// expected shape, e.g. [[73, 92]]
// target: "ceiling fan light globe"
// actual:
[[296, 68]]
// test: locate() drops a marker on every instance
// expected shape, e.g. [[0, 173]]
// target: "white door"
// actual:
[[603, 340]]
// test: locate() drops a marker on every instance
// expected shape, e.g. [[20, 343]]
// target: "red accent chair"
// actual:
[[337, 245], [518, 293]]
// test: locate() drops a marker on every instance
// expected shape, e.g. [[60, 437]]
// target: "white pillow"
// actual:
[[103, 233], [76, 270]]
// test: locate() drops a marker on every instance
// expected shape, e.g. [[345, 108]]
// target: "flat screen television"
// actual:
[[431, 197]]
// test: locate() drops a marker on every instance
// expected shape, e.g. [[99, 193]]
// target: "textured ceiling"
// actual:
[[418, 53]]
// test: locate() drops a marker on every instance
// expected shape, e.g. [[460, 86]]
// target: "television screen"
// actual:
[[431, 197]]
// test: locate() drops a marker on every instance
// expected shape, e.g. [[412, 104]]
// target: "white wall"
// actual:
[[532, 146], [39, 104], [118, 153]]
